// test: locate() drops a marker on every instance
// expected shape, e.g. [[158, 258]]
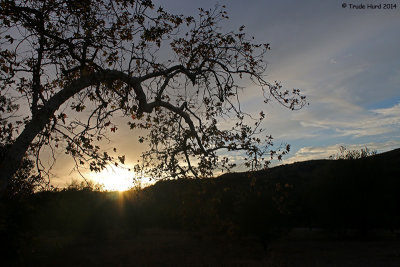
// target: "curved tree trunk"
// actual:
[[17, 151], [41, 118]]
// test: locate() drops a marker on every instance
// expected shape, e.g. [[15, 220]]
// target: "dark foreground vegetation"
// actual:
[[240, 219]]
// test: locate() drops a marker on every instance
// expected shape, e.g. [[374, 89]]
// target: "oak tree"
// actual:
[[68, 66]]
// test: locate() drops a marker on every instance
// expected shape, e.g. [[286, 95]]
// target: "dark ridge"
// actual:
[[303, 169]]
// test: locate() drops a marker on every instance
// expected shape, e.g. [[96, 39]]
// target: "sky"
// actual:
[[345, 60]]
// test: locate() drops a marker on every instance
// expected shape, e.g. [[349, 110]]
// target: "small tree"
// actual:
[[344, 153], [68, 66], [75, 185]]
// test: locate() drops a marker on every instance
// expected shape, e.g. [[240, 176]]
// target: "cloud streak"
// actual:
[[365, 123]]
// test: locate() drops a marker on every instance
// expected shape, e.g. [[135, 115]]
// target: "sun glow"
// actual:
[[114, 178]]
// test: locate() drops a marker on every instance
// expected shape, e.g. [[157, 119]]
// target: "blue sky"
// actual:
[[346, 62]]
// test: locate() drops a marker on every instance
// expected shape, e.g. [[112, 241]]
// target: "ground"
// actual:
[[155, 247]]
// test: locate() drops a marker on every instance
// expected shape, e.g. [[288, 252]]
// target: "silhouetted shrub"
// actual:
[[25, 181]]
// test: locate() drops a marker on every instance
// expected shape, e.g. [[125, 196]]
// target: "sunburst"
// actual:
[[114, 178]]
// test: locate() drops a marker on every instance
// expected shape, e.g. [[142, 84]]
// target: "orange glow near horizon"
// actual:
[[114, 178]]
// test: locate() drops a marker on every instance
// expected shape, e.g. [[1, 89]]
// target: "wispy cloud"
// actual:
[[388, 112], [366, 123]]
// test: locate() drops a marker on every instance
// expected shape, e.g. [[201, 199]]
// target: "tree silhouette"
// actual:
[[68, 66], [25, 182], [345, 153]]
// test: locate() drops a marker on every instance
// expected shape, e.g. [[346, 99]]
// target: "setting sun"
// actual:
[[114, 178]]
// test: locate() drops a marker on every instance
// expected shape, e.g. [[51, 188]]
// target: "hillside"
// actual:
[[360, 194], [234, 218], [384, 162]]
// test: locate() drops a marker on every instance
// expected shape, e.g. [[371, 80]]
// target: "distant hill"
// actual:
[[359, 194], [390, 157], [387, 161]]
